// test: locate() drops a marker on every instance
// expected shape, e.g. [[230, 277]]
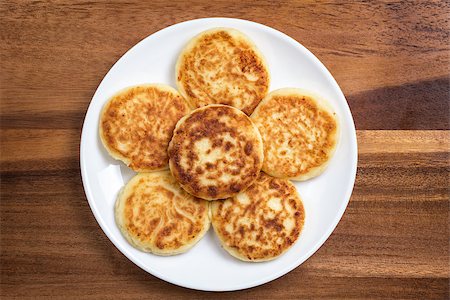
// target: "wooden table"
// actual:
[[392, 61]]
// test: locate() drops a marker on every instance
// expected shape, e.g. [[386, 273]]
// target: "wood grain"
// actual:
[[391, 60]]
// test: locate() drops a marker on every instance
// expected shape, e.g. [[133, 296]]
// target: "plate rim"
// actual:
[[353, 146]]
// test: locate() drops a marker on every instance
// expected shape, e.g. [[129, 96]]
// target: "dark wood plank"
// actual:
[[419, 105]]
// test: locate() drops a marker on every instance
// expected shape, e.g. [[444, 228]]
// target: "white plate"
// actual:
[[207, 266]]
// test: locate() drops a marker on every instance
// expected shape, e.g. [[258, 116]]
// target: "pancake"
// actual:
[[222, 66], [300, 132], [155, 215], [216, 152], [260, 223], [137, 123]]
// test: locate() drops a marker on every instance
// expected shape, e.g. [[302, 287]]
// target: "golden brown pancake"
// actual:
[[300, 132], [155, 215], [260, 223], [222, 66], [137, 123], [216, 152]]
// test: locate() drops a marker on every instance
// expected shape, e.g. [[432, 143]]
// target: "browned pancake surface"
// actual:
[[262, 222], [216, 152], [157, 216], [222, 66], [137, 124], [299, 132]]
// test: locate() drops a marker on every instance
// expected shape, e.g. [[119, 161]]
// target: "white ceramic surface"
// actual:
[[207, 266]]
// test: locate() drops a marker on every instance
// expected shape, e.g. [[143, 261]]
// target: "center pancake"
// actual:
[[216, 152]]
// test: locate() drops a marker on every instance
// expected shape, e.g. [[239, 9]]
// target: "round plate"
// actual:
[[207, 266]]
